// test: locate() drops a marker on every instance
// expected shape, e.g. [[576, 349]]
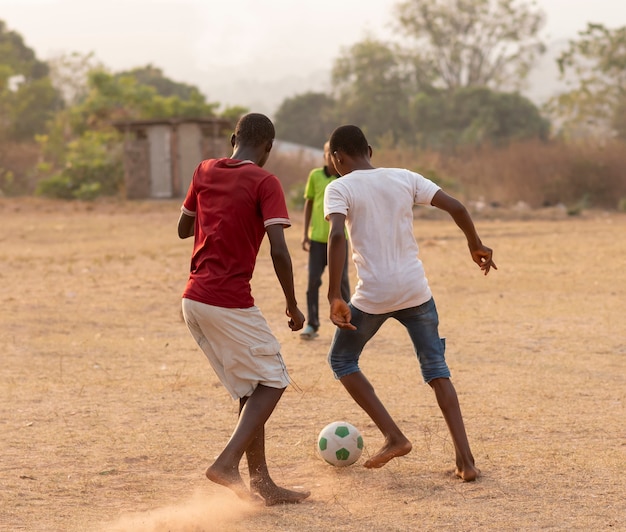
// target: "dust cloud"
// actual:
[[201, 513]]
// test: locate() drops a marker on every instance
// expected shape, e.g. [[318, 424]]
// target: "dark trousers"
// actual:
[[318, 260]]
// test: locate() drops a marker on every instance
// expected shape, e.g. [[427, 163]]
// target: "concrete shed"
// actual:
[[161, 155]]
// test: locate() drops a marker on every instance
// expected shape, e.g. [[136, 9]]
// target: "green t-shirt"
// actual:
[[316, 184]]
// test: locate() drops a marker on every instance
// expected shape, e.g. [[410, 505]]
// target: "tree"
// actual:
[[27, 97], [69, 73], [371, 90], [471, 43], [27, 101], [475, 115], [153, 77], [234, 113], [83, 149], [306, 119], [18, 57], [596, 62], [114, 97]]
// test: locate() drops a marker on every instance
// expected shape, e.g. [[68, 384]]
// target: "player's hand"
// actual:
[[340, 314], [296, 321], [306, 243], [483, 256]]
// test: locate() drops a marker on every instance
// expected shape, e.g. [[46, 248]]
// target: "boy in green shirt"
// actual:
[[315, 241]]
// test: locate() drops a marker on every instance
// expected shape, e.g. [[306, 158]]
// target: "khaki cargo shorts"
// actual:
[[239, 344]]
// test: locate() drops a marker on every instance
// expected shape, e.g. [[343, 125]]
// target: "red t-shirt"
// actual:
[[233, 202]]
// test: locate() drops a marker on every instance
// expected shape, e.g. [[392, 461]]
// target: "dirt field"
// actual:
[[110, 413]]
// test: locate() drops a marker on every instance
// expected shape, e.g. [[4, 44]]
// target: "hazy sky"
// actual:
[[222, 46]]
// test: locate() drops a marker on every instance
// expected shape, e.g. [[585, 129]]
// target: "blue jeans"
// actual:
[[421, 322]]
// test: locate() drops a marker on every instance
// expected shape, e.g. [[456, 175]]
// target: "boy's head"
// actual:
[[350, 140], [349, 149], [254, 132]]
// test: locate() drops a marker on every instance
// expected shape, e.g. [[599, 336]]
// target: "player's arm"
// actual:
[[481, 254], [185, 225], [308, 210], [284, 271], [340, 313]]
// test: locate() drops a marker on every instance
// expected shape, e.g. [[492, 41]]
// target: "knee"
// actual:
[[440, 383], [342, 366], [315, 282]]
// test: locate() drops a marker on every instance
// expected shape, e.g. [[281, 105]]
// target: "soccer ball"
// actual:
[[340, 444]]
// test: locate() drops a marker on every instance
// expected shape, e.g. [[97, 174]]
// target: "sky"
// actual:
[[241, 52]]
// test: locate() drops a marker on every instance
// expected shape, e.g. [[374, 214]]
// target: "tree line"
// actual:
[[450, 80], [454, 76]]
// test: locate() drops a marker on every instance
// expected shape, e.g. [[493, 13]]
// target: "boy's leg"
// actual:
[[449, 405], [317, 265], [344, 356], [255, 412], [249, 328], [422, 324], [260, 480], [396, 443]]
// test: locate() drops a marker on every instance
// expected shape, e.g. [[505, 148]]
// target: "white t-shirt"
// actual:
[[378, 205]]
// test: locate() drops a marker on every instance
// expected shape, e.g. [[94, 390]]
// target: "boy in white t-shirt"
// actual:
[[376, 205]]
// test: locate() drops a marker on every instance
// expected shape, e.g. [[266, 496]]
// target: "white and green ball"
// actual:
[[340, 443]]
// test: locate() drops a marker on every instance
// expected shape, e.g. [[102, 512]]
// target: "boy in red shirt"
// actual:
[[231, 204]]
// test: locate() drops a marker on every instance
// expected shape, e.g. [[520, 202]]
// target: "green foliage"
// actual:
[[30, 106], [446, 119], [396, 93], [306, 119], [93, 167], [27, 97], [80, 155], [372, 90], [116, 97], [596, 61], [80, 141], [234, 113], [19, 58], [152, 76]]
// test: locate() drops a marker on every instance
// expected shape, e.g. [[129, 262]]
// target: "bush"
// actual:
[[295, 196], [93, 167], [293, 168], [58, 186]]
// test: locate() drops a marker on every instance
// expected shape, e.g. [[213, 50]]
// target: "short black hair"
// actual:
[[350, 140], [254, 129]]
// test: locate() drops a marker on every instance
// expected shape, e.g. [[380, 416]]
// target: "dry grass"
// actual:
[[577, 174], [17, 167], [110, 413]]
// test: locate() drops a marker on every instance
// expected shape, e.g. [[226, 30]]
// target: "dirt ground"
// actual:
[[110, 413]]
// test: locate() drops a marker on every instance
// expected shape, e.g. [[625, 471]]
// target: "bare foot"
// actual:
[[468, 473], [391, 449], [232, 480], [274, 494]]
